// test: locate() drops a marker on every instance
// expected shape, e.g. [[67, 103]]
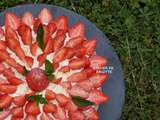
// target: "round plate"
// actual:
[[114, 87]]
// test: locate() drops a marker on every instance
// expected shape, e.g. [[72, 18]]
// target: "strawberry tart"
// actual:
[[48, 71]]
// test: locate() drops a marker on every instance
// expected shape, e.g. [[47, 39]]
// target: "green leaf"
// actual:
[[40, 36], [48, 67], [25, 72], [81, 101], [51, 77]]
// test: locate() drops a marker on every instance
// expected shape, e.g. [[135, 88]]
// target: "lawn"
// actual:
[[133, 27]]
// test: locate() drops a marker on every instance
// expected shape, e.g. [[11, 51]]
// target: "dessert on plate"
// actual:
[[48, 70]]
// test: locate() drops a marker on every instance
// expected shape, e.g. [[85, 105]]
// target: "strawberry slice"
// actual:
[[8, 89], [97, 97], [77, 63], [74, 42], [50, 95], [32, 108], [13, 44], [90, 46], [55, 65], [60, 32], [17, 112], [2, 67], [78, 91], [10, 33], [41, 58], [37, 80], [11, 20], [15, 81], [66, 84], [62, 99], [91, 114], [45, 16], [71, 107], [60, 113], [62, 23], [5, 101], [60, 55], [80, 52], [76, 77], [58, 42], [49, 108], [77, 115], [19, 100], [29, 60], [20, 53], [47, 33], [86, 85], [8, 73], [3, 45], [33, 48], [64, 69], [4, 114], [77, 30], [52, 27], [48, 47], [30, 117], [98, 62], [36, 25], [28, 19], [70, 53]]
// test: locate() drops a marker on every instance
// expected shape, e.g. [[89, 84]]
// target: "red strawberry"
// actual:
[[71, 107], [62, 23], [77, 30], [70, 53], [33, 48], [17, 112], [13, 44], [15, 81], [86, 85], [45, 16], [77, 63], [30, 117], [28, 19], [58, 42], [91, 114], [2, 67], [60, 55], [55, 65], [60, 114], [50, 95], [64, 69], [74, 42], [80, 52], [41, 58], [20, 53], [62, 99], [77, 115], [47, 35], [4, 114], [79, 76], [8, 89], [29, 60], [49, 108], [97, 97], [37, 80], [52, 27], [98, 79], [66, 84], [10, 33], [60, 32], [3, 45], [98, 62], [19, 100], [32, 108], [90, 46], [5, 101], [36, 25], [49, 46], [78, 91], [11, 20], [8, 73]]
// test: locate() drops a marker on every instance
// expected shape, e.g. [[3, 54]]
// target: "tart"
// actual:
[[48, 70]]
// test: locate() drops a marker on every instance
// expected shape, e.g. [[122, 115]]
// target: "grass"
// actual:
[[133, 26]]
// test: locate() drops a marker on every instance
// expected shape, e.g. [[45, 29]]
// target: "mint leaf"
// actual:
[[48, 67], [51, 77], [25, 72], [40, 36], [81, 102]]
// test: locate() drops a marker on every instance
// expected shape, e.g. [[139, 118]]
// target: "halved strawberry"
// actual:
[[77, 115], [60, 113], [50, 95], [52, 27], [49, 108], [4, 114], [98, 61], [60, 55], [19, 100], [2, 67], [91, 114], [90, 46], [77, 30], [64, 69], [78, 91], [8, 73], [32, 108], [76, 77], [77, 63], [5, 101], [71, 107], [45, 16], [58, 42], [36, 25], [20, 53], [8, 89], [49, 46], [33, 48], [13, 44], [11, 20], [41, 58], [62, 23], [30, 117], [15, 81], [80, 52], [17, 112], [10, 33], [28, 19], [66, 84], [70, 53], [29, 61], [62, 99], [3, 45], [97, 97], [74, 42]]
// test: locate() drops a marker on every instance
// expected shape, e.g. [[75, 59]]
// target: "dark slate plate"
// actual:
[[114, 87]]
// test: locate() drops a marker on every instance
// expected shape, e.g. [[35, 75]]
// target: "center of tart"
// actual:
[[37, 80]]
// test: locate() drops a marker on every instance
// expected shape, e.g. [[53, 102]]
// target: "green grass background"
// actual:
[[133, 27]]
